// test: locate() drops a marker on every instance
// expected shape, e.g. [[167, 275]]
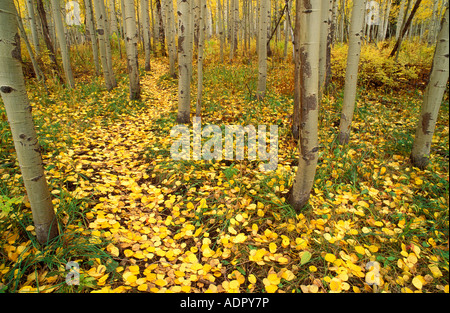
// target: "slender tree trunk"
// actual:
[[351, 74], [60, 33], [296, 114], [262, 48], [18, 111], [221, 28], [386, 20], [431, 33], [405, 29], [33, 26], [309, 82], [162, 40], [104, 44], [432, 98], [92, 34], [145, 19], [201, 42], [171, 44], [184, 60], [131, 41], [325, 44]]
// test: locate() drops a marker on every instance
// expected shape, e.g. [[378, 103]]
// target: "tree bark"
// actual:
[[60, 34], [131, 41], [145, 20], [91, 29], [33, 26], [405, 29], [201, 43], [18, 111], [264, 13], [351, 74], [309, 84], [432, 98], [184, 90], [104, 45], [171, 44], [296, 114]]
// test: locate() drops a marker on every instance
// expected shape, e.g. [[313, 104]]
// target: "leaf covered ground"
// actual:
[[135, 220]]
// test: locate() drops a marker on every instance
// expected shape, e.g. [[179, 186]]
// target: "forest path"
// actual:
[[132, 212]]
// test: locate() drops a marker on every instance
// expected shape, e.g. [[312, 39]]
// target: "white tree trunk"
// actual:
[[184, 61], [351, 74], [432, 98], [201, 43], [60, 34], [33, 26], [145, 20], [18, 111], [264, 13], [171, 32], [131, 41], [308, 35], [92, 34], [104, 45]]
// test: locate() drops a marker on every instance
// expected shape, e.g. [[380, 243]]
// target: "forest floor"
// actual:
[[133, 219]]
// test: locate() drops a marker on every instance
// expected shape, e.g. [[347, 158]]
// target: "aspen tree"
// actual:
[[308, 35], [91, 29], [131, 40], [201, 43], [351, 74], [184, 60], [432, 98], [104, 44], [33, 26], [145, 20], [264, 13], [60, 34], [18, 111], [171, 44]]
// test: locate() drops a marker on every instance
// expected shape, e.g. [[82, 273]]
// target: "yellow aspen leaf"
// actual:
[[129, 277], [234, 284], [364, 204], [382, 170], [285, 243], [330, 257], [160, 282], [271, 288], [208, 252], [185, 288], [312, 269], [417, 282], [288, 275], [142, 287], [412, 258], [359, 249], [373, 248], [282, 260], [231, 230], [190, 206], [252, 278], [313, 288], [435, 270], [273, 279], [272, 247], [365, 230], [378, 223], [128, 253], [335, 285], [260, 213], [134, 269], [192, 258], [240, 238]]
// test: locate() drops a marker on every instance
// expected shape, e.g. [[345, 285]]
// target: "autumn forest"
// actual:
[[224, 146]]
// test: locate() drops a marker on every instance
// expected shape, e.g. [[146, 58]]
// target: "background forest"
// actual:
[[92, 201]]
